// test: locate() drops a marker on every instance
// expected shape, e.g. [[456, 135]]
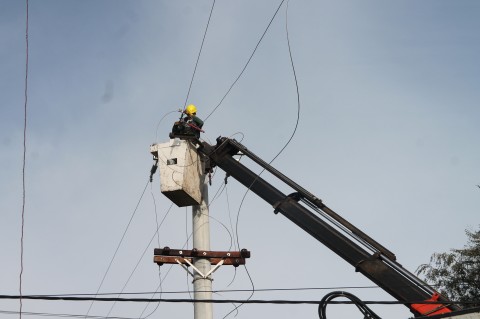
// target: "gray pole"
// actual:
[[202, 287]]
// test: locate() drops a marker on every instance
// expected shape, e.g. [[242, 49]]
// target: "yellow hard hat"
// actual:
[[191, 109]]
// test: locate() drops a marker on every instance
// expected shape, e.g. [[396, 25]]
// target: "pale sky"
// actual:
[[387, 137]]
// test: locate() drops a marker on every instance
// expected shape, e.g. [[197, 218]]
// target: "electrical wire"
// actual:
[[24, 163], [159, 268], [219, 192], [199, 53], [170, 268], [241, 303], [248, 61], [187, 243], [58, 315], [140, 259], [223, 301], [118, 247], [156, 215], [160, 121], [223, 291], [364, 309], [230, 215], [159, 287], [282, 149]]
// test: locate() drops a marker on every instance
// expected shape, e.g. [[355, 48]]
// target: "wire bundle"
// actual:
[[322, 307]]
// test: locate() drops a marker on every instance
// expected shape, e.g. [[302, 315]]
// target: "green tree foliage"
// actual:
[[457, 273]]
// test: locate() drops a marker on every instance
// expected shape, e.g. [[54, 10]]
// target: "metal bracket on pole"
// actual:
[[186, 268], [214, 268], [204, 276], [218, 258]]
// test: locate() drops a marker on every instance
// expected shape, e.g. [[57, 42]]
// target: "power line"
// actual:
[[281, 150], [366, 311], [118, 247], [141, 257], [248, 61], [223, 301], [59, 315], [199, 53], [24, 161], [219, 291]]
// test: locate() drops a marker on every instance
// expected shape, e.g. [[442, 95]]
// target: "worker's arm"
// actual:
[[198, 122]]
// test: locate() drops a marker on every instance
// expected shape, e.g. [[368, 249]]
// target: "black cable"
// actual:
[[230, 214], [140, 259], [366, 311], [296, 124], [158, 303], [158, 124], [214, 291], [199, 53], [159, 287], [118, 247], [24, 164], [59, 315], [223, 301], [283, 148], [246, 64], [159, 268]]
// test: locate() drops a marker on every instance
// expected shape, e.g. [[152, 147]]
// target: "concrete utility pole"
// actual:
[[183, 180], [202, 286]]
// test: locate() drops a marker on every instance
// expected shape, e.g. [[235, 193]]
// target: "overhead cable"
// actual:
[[24, 161], [364, 309], [118, 247], [199, 53], [140, 259], [248, 61], [283, 148], [59, 315], [219, 291], [223, 301]]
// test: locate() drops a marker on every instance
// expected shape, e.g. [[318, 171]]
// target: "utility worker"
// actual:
[[192, 118], [190, 125]]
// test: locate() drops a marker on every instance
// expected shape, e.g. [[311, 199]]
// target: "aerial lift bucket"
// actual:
[[180, 170]]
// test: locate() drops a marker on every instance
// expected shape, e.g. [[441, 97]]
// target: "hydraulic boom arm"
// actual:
[[313, 216]]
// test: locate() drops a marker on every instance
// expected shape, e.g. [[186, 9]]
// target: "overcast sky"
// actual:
[[387, 137]]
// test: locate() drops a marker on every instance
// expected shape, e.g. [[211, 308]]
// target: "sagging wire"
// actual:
[[235, 308], [118, 247], [159, 287], [160, 121], [156, 215], [159, 268], [20, 284], [231, 227], [230, 214], [224, 301], [140, 259], [199, 53], [248, 61], [222, 291], [194, 70], [283, 148], [217, 195], [58, 315], [161, 281], [364, 309], [187, 242]]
